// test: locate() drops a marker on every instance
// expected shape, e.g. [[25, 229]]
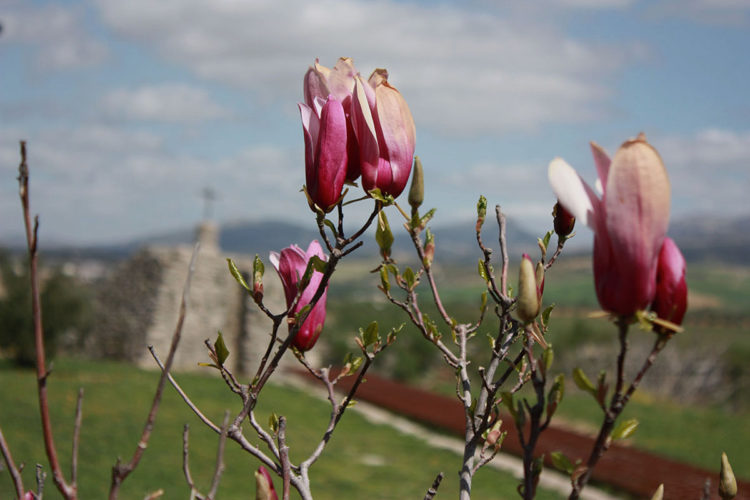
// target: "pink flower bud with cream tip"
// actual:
[[320, 82], [629, 220], [670, 301], [291, 264], [264, 489], [385, 134]]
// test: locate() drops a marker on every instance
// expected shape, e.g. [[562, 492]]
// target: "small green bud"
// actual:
[[481, 212], [727, 481], [384, 236], [416, 192], [258, 270], [429, 248]]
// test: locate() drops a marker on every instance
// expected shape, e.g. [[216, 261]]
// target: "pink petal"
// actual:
[[314, 84], [398, 133], [326, 179], [364, 129], [602, 162], [573, 193], [636, 201], [341, 78]]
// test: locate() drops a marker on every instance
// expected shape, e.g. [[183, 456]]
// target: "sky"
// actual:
[[132, 108]]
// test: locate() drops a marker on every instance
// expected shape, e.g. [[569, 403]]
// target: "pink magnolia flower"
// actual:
[[324, 127], [290, 264], [385, 133], [320, 82], [629, 220], [670, 301]]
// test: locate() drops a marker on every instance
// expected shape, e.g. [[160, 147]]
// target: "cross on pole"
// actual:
[[209, 196]]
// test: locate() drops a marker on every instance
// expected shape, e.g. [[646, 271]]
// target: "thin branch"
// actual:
[[15, 474], [68, 491], [121, 471], [284, 451], [503, 250], [433, 489], [219, 470], [184, 395], [76, 438], [186, 461]]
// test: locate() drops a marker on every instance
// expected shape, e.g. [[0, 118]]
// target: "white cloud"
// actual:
[[462, 71], [56, 33], [97, 183], [168, 102], [710, 170]]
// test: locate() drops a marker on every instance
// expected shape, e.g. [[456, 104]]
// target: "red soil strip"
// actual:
[[625, 468]]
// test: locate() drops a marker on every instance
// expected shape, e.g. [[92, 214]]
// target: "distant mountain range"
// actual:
[[700, 238]]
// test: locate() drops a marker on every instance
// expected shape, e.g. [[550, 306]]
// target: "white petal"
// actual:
[[573, 193], [274, 258]]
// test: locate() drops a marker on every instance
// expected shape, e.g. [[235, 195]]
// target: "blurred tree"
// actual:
[[66, 310]]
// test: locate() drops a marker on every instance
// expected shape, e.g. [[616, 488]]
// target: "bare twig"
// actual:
[[186, 461], [503, 250], [41, 477], [121, 471], [219, 470], [284, 451], [68, 490], [76, 438], [15, 474], [433, 489], [184, 395]]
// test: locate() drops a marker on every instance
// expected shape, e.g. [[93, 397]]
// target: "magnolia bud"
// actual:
[[528, 291], [264, 489], [384, 236], [727, 481], [659, 493], [564, 221], [540, 277], [416, 192]]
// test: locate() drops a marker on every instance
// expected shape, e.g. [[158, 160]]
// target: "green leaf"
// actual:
[[318, 264], [383, 235], [481, 211], [483, 272], [555, 395], [583, 382], [258, 269], [545, 314], [377, 195], [331, 226], [356, 363], [222, 353], [370, 335], [237, 275], [547, 357], [427, 217], [273, 422], [506, 398], [483, 304], [302, 312], [561, 462], [625, 429], [384, 281], [410, 278], [546, 239]]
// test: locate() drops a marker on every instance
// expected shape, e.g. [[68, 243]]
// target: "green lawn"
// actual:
[[362, 460]]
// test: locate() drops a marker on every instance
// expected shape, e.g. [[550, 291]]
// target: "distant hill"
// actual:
[[701, 238]]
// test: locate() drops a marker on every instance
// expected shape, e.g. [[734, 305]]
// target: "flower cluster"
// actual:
[[635, 265], [354, 127]]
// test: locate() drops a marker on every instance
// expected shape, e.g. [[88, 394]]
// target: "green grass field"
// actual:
[[362, 460]]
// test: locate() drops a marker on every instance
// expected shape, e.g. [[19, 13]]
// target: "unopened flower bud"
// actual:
[[540, 277], [727, 481], [264, 489], [384, 236], [659, 493], [416, 192], [564, 222], [429, 248], [258, 270], [528, 291]]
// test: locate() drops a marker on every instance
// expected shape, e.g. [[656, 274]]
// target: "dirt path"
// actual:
[[626, 468]]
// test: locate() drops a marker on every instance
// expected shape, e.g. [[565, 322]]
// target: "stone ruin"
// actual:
[[139, 303]]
